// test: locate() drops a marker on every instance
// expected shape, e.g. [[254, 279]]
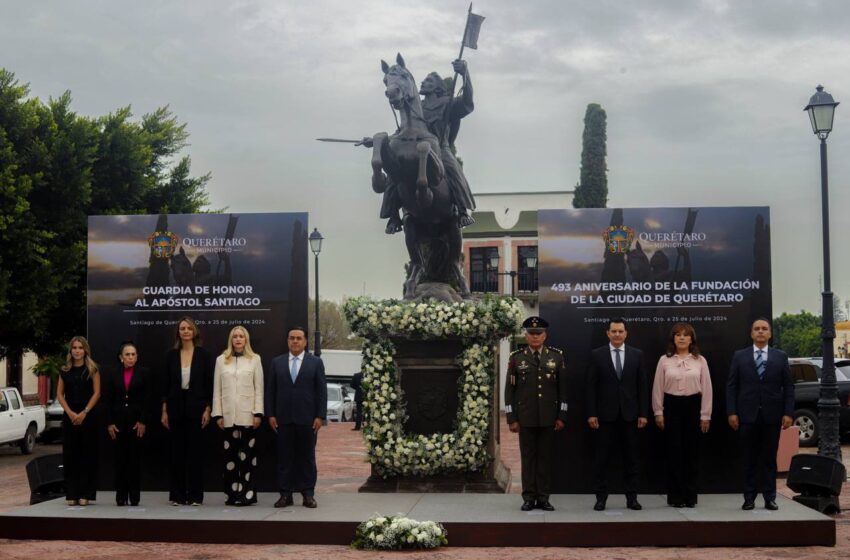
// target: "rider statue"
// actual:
[[443, 116]]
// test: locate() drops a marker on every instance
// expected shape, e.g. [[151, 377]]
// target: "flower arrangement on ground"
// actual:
[[397, 533], [480, 325]]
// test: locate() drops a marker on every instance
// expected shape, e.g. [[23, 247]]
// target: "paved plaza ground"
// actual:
[[342, 468]]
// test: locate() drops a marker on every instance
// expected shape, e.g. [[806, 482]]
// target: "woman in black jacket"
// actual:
[[130, 394], [186, 406]]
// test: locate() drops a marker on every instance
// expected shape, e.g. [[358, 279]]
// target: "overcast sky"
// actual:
[[704, 103]]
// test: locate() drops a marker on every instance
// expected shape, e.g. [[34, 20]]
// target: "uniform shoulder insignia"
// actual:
[[515, 352], [558, 350]]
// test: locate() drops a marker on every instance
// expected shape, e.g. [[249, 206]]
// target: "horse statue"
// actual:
[[410, 160]]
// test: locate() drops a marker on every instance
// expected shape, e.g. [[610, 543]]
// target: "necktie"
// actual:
[[537, 358], [618, 365], [760, 365], [293, 369]]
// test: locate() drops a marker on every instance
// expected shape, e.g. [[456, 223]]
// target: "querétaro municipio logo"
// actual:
[[162, 244], [618, 239]]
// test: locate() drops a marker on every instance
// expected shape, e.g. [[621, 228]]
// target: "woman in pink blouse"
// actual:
[[681, 402]]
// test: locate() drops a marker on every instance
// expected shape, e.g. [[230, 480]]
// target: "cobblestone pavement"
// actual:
[[342, 468]]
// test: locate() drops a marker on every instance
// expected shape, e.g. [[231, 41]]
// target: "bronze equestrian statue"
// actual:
[[416, 166]]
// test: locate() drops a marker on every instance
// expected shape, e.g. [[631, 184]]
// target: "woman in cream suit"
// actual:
[[237, 408]]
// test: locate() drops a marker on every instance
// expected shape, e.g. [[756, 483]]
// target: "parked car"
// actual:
[[53, 429], [806, 373], [340, 404], [19, 424]]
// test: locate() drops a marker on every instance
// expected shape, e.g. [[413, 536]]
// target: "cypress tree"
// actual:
[[592, 191]]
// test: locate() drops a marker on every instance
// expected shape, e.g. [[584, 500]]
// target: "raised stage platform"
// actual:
[[471, 520]]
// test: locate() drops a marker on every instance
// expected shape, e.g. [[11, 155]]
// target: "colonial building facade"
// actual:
[[500, 251]]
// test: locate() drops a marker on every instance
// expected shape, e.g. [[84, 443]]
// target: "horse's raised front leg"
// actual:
[[379, 180], [424, 196]]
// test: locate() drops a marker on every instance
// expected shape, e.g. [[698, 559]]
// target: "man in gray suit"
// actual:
[[296, 404]]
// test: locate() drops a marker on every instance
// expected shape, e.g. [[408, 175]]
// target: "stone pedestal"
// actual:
[[431, 392], [429, 373]]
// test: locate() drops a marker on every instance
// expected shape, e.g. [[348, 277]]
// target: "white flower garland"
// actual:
[[481, 325], [398, 532]]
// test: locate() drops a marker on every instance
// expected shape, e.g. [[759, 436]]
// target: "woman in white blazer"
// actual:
[[237, 408]]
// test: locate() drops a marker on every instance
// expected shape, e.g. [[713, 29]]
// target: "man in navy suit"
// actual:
[[760, 401], [617, 407], [296, 404]]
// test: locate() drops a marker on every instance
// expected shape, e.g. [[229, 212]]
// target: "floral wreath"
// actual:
[[398, 533], [480, 325]]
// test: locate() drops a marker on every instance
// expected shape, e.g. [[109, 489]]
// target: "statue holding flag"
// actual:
[[416, 170], [418, 173]]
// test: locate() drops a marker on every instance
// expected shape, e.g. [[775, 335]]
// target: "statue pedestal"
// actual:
[[431, 399], [429, 375]]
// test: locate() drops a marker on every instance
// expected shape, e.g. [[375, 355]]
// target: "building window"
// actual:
[[482, 278], [527, 270]]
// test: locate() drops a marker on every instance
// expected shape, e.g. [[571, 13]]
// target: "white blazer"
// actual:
[[238, 390]]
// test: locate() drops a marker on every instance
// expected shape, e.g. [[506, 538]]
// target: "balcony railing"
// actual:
[[487, 281], [527, 280], [483, 281]]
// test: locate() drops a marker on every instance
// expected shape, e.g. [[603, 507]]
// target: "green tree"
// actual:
[[56, 169], [335, 330], [798, 334], [592, 190], [28, 285]]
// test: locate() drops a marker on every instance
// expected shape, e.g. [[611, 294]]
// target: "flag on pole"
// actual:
[[473, 28]]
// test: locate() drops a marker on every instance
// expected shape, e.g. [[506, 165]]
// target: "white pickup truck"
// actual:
[[19, 424]]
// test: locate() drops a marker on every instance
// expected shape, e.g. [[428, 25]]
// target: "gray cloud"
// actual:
[[704, 102]]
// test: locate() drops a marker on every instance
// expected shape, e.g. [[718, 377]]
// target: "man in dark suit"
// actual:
[[296, 404], [760, 401], [357, 385], [617, 407], [536, 408]]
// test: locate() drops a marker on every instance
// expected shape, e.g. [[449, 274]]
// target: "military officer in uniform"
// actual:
[[536, 407]]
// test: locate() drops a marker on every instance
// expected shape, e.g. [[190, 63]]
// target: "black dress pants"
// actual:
[[128, 465], [187, 460], [296, 459], [760, 441], [681, 436], [535, 447], [625, 435], [358, 415], [79, 457]]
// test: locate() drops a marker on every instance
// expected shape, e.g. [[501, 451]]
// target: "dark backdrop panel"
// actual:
[[721, 245], [263, 256]]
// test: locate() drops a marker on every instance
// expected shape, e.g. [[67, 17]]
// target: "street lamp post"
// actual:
[[494, 264], [821, 109], [316, 246]]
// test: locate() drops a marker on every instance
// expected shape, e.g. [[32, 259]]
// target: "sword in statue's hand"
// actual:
[[362, 142]]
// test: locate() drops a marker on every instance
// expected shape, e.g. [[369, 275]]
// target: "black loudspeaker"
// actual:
[[818, 479], [46, 478], [816, 475]]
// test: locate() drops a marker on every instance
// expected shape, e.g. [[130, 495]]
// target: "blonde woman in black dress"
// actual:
[[78, 392]]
